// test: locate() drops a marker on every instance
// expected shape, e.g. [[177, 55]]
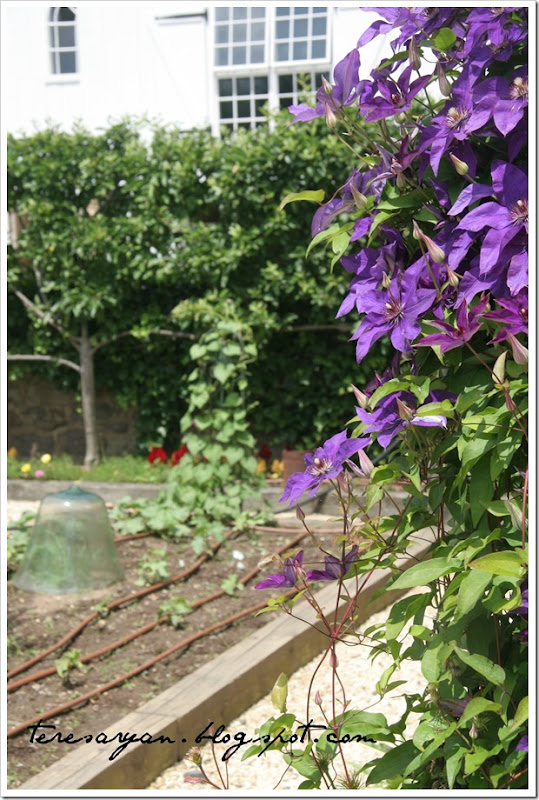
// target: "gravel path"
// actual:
[[267, 773]]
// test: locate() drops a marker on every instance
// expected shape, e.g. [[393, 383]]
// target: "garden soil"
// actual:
[[36, 621]]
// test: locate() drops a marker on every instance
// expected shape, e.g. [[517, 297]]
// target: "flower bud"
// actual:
[[413, 54], [279, 693], [328, 88], [366, 464], [405, 412], [461, 167], [401, 118], [417, 233], [331, 118], [361, 398], [300, 514], [333, 660], [452, 277], [359, 199], [498, 371], [401, 180], [520, 353], [386, 281], [194, 755], [318, 698], [443, 83], [435, 251]]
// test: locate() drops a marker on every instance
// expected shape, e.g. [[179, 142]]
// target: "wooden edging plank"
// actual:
[[219, 691]]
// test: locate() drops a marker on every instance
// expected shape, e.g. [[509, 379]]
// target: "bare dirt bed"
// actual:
[[36, 621]]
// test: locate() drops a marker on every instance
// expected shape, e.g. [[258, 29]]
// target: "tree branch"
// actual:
[[159, 332], [41, 314], [336, 328], [23, 357]]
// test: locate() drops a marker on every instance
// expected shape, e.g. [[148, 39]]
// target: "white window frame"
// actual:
[[270, 68], [55, 49]]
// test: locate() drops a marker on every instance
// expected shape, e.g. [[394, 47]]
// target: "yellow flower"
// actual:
[[46, 458], [260, 466], [277, 469], [12, 452], [26, 468]]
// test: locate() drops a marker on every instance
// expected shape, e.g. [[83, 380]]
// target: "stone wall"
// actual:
[[43, 419]]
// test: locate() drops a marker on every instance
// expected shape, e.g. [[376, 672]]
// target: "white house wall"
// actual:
[[131, 61]]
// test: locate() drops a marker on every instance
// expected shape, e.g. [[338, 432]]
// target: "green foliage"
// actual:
[[67, 664], [183, 218], [18, 533], [153, 567], [115, 469], [174, 610]]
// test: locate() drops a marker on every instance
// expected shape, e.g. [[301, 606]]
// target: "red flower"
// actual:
[[177, 455], [157, 454], [264, 452]]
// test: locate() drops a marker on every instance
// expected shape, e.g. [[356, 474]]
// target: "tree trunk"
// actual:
[[87, 384]]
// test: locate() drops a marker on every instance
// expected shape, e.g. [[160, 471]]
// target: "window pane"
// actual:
[[225, 110], [300, 27], [65, 15], [258, 13], [261, 85], [221, 34], [258, 31], [240, 33], [239, 55], [239, 13], [319, 9], [225, 87], [300, 51], [284, 102], [257, 54], [243, 86], [244, 108], [67, 62], [319, 49], [66, 36], [319, 26], [282, 29], [283, 11], [221, 56], [245, 125], [301, 11], [281, 52], [221, 14], [259, 105], [286, 84]]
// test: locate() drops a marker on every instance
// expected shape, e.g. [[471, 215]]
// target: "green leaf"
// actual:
[[426, 571], [433, 661], [521, 714], [393, 763], [505, 562], [444, 40], [476, 706], [481, 489], [471, 590], [315, 196], [410, 200], [483, 665]]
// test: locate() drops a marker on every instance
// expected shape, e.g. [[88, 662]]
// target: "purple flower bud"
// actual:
[[318, 698], [443, 83], [361, 398], [413, 54], [300, 514], [520, 353], [366, 464]]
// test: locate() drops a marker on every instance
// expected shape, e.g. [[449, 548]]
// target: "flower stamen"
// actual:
[[455, 116]]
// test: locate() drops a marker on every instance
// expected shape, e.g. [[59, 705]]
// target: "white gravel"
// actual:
[[267, 773]]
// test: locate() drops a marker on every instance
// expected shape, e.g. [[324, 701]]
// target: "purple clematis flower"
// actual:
[[292, 572], [394, 312], [467, 324], [330, 98], [335, 568], [395, 412], [324, 464], [384, 97], [523, 744], [513, 314], [506, 218]]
